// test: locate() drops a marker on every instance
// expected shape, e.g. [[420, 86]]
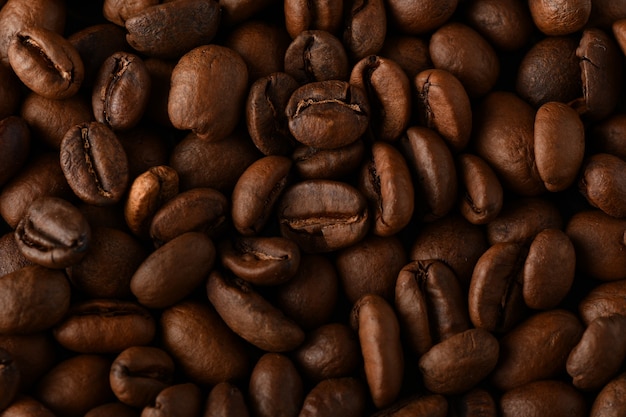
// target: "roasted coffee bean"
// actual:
[[27, 406], [365, 28], [9, 379], [323, 215], [611, 399], [313, 163], [604, 300], [477, 401], [53, 233], [243, 308], [386, 183], [117, 11], [181, 400], [275, 387], [15, 141], [171, 29], [410, 52], [601, 183], [235, 11], [139, 374], [568, 17], [346, 396], [205, 209], [225, 400], [542, 398], [619, 32], [121, 91], [105, 326], [313, 15], [481, 194], [222, 73], [46, 62], [376, 323], [145, 148], [115, 408], [33, 355], [457, 364], [328, 114], [34, 298], [428, 405], [256, 193], [261, 260], [415, 17], [12, 258], [506, 24], [316, 55], [608, 137], [163, 280], [94, 163]]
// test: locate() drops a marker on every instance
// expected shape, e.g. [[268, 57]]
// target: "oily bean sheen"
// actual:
[[53, 233], [328, 114], [94, 163]]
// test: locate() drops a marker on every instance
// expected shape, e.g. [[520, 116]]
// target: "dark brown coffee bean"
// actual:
[[27, 406], [344, 396], [477, 402], [206, 350], [105, 326], [313, 163], [316, 55], [415, 17], [236, 11], [427, 405], [94, 163], [388, 86], [543, 398], [121, 91], [365, 27], [601, 183], [506, 24], [313, 15], [181, 400], [46, 62], [379, 335], [457, 364], [201, 210], [265, 113], [261, 260], [33, 354], [145, 148], [608, 136], [49, 119], [610, 402], [243, 308], [559, 145], [117, 11], [434, 174], [12, 259], [147, 194], [604, 300], [225, 400], [218, 70], [328, 114], [323, 215], [371, 266], [53, 233], [139, 374], [164, 279], [330, 351], [552, 333], [550, 71], [568, 17], [481, 193], [430, 304], [443, 105], [115, 408], [310, 297], [599, 243], [9, 379], [410, 52], [504, 138], [275, 387], [14, 146], [256, 192], [42, 176], [385, 181], [34, 298], [169, 30]]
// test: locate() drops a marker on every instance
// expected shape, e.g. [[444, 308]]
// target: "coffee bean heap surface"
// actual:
[[312, 208]]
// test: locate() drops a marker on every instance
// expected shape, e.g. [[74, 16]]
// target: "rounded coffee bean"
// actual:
[[117, 11], [76, 385], [225, 400], [328, 114], [459, 363], [33, 299], [9, 379], [12, 258], [316, 55], [314, 163], [216, 69], [27, 406], [410, 52], [181, 400], [602, 183], [256, 192], [323, 215], [243, 308], [560, 19], [204, 348], [169, 30], [506, 24], [604, 300], [53, 233], [261, 260], [94, 163], [379, 335], [46, 62], [33, 354], [522, 219], [385, 181], [481, 193], [478, 401], [609, 135], [275, 387], [343, 396], [443, 105], [611, 401], [552, 333], [105, 326], [313, 15], [174, 270], [14, 146], [365, 28], [419, 17], [139, 373], [121, 91], [543, 398]]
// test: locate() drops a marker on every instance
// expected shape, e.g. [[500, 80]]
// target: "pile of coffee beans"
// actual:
[[312, 208]]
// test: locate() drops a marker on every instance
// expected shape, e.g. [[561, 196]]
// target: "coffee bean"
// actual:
[[313, 15], [14, 146], [610, 400], [547, 397], [335, 395], [225, 400], [275, 387], [182, 400], [316, 55], [569, 18]]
